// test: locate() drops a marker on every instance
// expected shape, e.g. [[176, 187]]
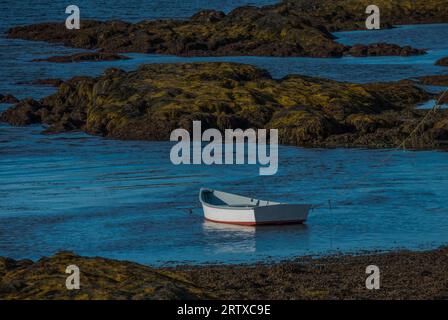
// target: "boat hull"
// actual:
[[267, 215]]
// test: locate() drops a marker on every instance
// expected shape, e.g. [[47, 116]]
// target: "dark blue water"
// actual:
[[125, 199]]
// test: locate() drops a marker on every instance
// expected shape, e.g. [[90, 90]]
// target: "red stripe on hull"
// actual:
[[240, 223]]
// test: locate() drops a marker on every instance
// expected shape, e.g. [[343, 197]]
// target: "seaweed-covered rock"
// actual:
[[437, 80], [25, 112], [208, 16], [287, 29], [9, 98], [244, 31], [383, 49], [442, 62], [152, 101], [100, 279], [52, 82], [83, 57], [442, 98], [338, 15]]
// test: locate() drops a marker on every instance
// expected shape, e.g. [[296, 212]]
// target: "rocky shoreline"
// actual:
[[8, 98], [152, 101], [290, 28], [83, 57], [403, 275], [147, 104], [346, 15], [437, 80]]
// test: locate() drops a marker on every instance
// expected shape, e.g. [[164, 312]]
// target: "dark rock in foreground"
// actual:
[[287, 29], [442, 62], [101, 279], [83, 57], [152, 101], [8, 99], [404, 275]]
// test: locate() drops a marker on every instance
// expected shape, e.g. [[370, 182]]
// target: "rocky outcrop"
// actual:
[[442, 62], [23, 113], [8, 99], [83, 57], [405, 275], [153, 100], [47, 82], [337, 15], [101, 279], [442, 98], [437, 80], [286, 29], [383, 49], [244, 31]]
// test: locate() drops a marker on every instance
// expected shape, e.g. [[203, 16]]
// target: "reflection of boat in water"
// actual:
[[230, 238], [229, 208], [232, 228]]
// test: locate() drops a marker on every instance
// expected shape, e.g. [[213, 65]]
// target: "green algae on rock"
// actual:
[[244, 31], [152, 101], [295, 28], [101, 279], [338, 15]]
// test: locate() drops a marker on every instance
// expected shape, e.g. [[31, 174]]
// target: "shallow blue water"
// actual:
[[125, 199]]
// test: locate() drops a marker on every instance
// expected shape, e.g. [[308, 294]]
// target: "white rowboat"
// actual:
[[230, 208]]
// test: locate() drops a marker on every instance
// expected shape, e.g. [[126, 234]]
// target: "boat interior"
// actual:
[[223, 199]]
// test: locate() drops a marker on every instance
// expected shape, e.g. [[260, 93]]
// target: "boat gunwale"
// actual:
[[229, 207], [203, 202]]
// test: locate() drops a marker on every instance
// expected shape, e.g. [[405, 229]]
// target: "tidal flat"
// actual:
[[403, 274]]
